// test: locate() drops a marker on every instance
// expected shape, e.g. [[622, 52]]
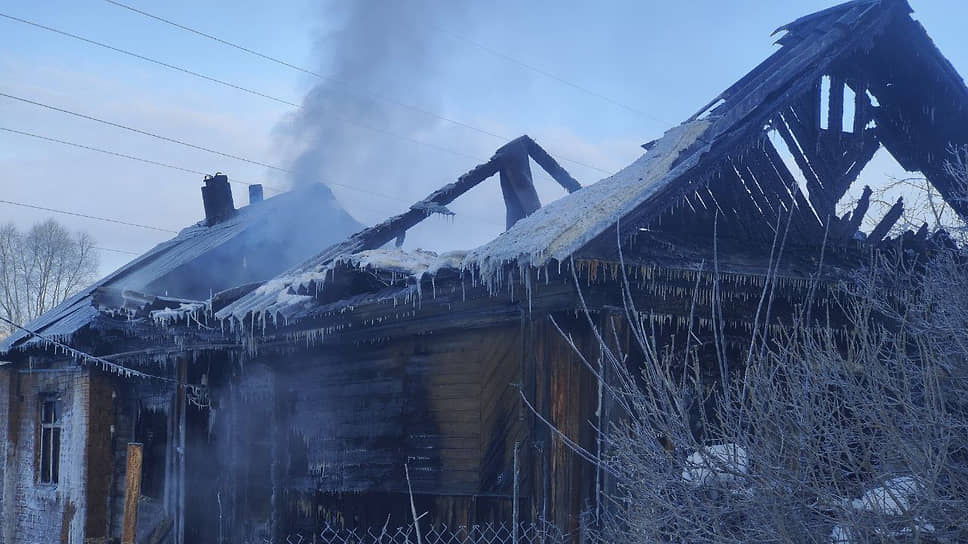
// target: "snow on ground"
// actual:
[[894, 497], [717, 463]]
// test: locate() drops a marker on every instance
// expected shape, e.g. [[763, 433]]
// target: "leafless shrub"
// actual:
[[923, 204], [823, 434]]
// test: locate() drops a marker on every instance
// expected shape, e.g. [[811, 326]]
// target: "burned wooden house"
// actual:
[[368, 376], [65, 426]]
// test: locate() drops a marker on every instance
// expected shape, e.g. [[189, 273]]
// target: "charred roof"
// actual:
[[719, 174]]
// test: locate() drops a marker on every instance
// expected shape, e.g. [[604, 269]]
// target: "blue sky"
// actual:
[[662, 59]]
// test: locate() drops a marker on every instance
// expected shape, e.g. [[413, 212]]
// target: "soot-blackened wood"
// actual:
[[551, 166], [851, 224], [371, 408], [887, 222], [809, 223], [394, 227], [862, 104], [831, 158], [922, 105], [784, 124], [835, 106], [520, 196]]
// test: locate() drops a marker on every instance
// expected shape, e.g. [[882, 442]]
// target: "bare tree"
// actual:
[[842, 434], [41, 267], [923, 204]]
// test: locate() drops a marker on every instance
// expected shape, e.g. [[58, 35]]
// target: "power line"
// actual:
[[140, 131], [125, 156], [86, 216], [126, 252], [183, 143], [179, 168], [332, 113], [108, 152], [308, 71], [188, 170], [547, 74], [346, 85]]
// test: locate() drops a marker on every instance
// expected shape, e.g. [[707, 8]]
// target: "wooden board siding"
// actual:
[[566, 394], [502, 424], [361, 413], [100, 427]]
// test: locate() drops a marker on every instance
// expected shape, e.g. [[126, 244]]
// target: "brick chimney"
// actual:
[[217, 199]]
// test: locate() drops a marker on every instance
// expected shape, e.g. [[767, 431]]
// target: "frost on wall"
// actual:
[[46, 512]]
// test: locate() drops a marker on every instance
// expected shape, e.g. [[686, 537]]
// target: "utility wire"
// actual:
[[124, 251], [140, 131], [189, 170], [547, 74], [331, 112], [187, 144], [346, 85], [307, 71], [86, 216], [108, 152]]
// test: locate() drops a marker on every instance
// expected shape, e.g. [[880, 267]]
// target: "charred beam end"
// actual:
[[397, 226], [922, 233], [551, 166], [887, 222], [853, 221], [520, 196]]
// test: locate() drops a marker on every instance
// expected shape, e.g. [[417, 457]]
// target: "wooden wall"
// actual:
[[337, 423]]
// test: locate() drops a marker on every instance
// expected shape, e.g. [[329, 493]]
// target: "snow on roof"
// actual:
[[559, 229], [412, 263], [280, 298], [183, 312], [551, 232], [190, 244], [77, 311], [734, 119]]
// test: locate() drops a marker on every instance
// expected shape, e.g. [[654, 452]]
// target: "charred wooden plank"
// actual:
[[520, 196], [852, 223], [815, 189], [808, 220], [835, 108], [887, 222], [551, 166]]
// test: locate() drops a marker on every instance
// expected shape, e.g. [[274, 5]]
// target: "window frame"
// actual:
[[49, 440]]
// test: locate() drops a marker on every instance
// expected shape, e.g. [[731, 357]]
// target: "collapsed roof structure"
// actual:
[[362, 360]]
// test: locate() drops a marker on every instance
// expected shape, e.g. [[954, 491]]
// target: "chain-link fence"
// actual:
[[489, 533]]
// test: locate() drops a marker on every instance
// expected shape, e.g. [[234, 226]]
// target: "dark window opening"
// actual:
[[50, 438], [151, 430]]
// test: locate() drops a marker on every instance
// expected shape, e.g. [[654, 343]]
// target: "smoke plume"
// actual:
[[376, 54]]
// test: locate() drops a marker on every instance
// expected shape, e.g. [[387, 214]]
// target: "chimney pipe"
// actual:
[[255, 193], [217, 199]]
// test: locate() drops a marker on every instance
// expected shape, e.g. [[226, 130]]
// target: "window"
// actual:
[[50, 437]]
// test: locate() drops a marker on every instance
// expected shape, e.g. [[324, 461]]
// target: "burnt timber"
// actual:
[[298, 398]]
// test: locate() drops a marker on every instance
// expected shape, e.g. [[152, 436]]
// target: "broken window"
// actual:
[[50, 440]]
